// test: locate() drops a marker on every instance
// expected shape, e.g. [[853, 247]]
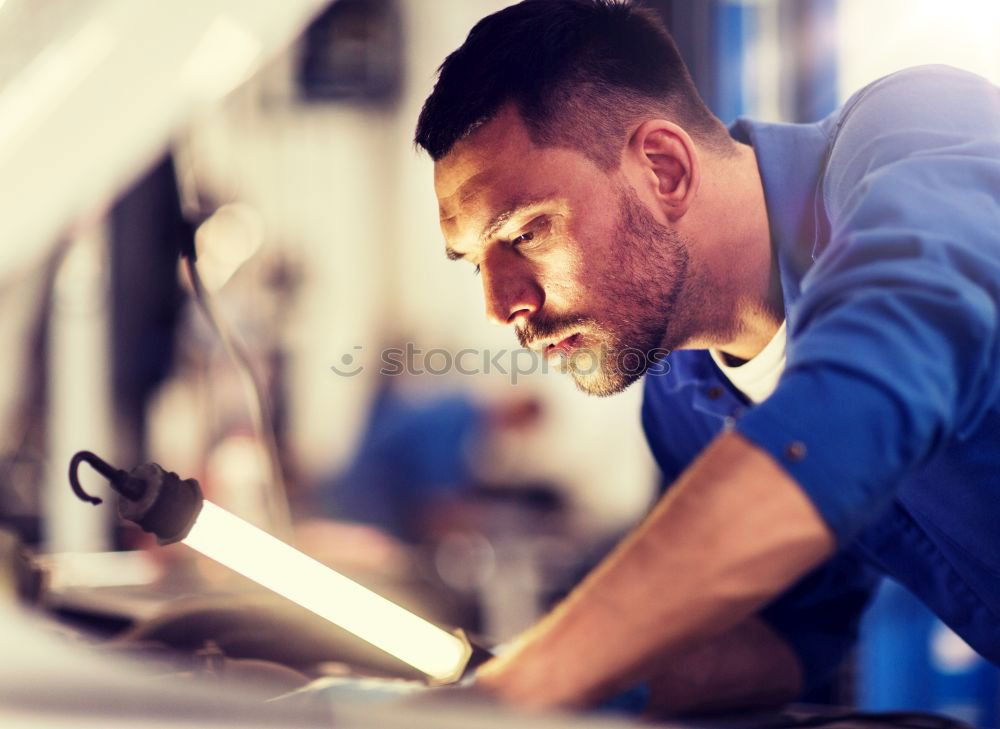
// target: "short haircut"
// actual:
[[581, 73]]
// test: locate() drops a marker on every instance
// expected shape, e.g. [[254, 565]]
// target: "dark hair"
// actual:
[[581, 72]]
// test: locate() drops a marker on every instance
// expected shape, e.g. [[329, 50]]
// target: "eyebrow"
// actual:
[[499, 220], [509, 211]]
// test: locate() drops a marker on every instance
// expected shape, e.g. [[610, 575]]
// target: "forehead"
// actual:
[[482, 160], [498, 165]]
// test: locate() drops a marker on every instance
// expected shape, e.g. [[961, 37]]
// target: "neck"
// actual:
[[742, 269]]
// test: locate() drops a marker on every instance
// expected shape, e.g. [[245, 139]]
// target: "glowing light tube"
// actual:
[[275, 565]]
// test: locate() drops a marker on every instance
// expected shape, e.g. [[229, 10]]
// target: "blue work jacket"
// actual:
[[885, 224]]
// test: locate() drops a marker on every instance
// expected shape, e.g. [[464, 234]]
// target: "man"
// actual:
[[830, 293]]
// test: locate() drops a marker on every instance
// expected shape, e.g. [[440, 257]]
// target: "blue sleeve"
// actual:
[[894, 343]]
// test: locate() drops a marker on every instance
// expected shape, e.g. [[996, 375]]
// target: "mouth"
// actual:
[[564, 347]]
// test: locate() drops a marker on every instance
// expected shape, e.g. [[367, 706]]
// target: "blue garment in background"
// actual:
[[885, 222], [908, 659], [410, 454]]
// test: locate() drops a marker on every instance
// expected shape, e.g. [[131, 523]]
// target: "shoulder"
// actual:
[[912, 113], [933, 96]]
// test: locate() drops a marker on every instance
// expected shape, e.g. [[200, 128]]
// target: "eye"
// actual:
[[523, 238]]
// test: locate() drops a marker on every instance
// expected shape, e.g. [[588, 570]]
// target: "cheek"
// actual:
[[562, 271]]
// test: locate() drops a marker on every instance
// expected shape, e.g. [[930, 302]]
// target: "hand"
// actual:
[[522, 677]]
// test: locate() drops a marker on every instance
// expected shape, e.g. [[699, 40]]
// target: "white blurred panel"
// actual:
[[877, 38], [78, 413], [85, 109]]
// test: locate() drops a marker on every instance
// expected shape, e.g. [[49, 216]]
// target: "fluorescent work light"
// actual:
[[174, 510]]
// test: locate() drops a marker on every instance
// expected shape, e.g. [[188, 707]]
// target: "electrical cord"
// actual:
[[260, 410], [192, 208]]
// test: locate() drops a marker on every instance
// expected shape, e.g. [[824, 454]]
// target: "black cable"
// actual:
[[192, 208], [276, 494]]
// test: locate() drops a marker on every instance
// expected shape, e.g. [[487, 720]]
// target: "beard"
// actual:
[[637, 289]]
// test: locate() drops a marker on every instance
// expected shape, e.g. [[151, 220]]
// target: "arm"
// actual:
[[731, 534]]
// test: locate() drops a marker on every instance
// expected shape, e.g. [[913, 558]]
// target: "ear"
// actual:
[[668, 164]]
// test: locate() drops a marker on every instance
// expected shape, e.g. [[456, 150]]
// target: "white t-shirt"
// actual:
[[758, 377]]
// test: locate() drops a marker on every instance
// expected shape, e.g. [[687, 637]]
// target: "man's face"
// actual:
[[569, 255]]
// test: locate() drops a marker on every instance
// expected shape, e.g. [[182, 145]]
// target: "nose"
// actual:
[[510, 290]]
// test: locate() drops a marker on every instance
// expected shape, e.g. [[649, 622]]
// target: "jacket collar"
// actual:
[[791, 159]]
